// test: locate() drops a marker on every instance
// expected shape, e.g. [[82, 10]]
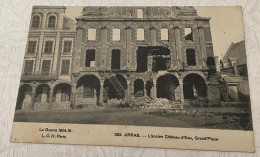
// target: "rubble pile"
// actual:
[[115, 102], [158, 103]]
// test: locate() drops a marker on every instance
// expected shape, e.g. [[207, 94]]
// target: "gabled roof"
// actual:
[[236, 52]]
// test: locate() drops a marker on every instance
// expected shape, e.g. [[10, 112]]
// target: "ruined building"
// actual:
[[123, 53]]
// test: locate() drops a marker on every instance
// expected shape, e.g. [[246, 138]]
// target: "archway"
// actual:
[[88, 90], [139, 88], [166, 86], [24, 96], [42, 93], [194, 86], [114, 87], [61, 93]]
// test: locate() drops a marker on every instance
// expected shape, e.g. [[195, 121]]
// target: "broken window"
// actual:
[[140, 34], [31, 47], [140, 13], [28, 67], [46, 64], [90, 58], [115, 59], [188, 34], [51, 22], [36, 22], [65, 67], [67, 46], [138, 88], [191, 58], [48, 47], [116, 35], [91, 34], [164, 34]]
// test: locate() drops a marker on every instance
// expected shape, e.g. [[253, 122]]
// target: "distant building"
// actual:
[[235, 87]]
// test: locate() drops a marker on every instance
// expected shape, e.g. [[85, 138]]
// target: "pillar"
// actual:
[[50, 98], [101, 101], [60, 19], [145, 92], [154, 89], [179, 55], [39, 54], [128, 92], [56, 53], [73, 94], [33, 98], [202, 46], [181, 91], [44, 19], [128, 48]]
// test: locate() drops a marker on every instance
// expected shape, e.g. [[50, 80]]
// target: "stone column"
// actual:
[[33, 98], [128, 91], [145, 92], [101, 101], [154, 89], [44, 19], [128, 48], [50, 99], [202, 46], [181, 91], [60, 19], [73, 94], [56, 54], [39, 54], [179, 55], [102, 59]]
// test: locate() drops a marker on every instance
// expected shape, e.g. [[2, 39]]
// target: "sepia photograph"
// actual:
[[158, 66]]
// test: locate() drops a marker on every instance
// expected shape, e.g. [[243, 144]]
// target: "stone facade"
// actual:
[[152, 48], [124, 53], [48, 59]]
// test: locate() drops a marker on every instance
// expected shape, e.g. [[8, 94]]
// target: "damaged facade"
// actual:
[[129, 52], [234, 85]]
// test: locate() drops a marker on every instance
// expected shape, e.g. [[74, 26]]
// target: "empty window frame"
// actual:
[[67, 46], [139, 13], [115, 59], [140, 34], [88, 92], [28, 67], [48, 47], [31, 47], [92, 34], [46, 64], [191, 58], [65, 67], [36, 21], [52, 22], [188, 34], [116, 35], [90, 58], [164, 34]]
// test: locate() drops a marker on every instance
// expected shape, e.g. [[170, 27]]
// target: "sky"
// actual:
[[226, 25]]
